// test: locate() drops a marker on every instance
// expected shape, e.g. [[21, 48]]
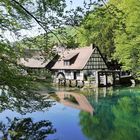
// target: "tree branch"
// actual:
[[39, 22]]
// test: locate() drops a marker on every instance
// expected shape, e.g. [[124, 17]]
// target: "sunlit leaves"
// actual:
[[99, 28], [128, 42]]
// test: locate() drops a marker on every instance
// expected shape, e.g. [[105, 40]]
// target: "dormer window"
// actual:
[[70, 59]]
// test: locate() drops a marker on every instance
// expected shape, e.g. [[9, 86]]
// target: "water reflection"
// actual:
[[31, 116], [22, 102], [75, 100], [117, 116], [23, 127]]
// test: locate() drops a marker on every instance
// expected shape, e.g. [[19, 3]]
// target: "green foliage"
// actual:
[[114, 28], [99, 28], [10, 72], [128, 42], [67, 36]]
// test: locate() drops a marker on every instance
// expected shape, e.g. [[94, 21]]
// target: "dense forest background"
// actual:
[[113, 26]]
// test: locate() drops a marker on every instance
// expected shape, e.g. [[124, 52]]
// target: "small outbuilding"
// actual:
[[34, 62]]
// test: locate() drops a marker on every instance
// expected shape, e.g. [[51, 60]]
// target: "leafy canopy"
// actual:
[[17, 15]]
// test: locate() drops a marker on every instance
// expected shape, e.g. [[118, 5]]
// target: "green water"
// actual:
[[117, 115], [114, 114]]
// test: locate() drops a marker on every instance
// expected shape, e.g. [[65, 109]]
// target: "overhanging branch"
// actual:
[[38, 22]]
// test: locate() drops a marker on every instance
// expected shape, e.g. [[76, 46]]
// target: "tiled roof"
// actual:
[[70, 56], [81, 60], [33, 62]]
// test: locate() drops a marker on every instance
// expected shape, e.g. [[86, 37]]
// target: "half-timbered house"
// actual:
[[79, 64]]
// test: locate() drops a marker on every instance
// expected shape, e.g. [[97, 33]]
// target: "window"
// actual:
[[66, 63]]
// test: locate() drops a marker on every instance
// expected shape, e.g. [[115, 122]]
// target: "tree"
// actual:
[[128, 41], [99, 28]]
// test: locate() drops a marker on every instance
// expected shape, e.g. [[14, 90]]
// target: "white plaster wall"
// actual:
[[80, 76], [70, 75]]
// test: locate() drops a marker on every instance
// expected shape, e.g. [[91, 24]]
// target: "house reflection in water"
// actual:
[[75, 100], [93, 95]]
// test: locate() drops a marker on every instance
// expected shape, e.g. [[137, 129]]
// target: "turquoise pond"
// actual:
[[93, 114]]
